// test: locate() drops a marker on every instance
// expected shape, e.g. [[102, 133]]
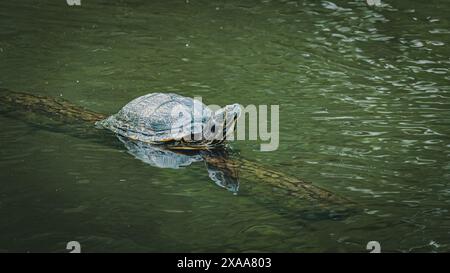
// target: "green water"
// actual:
[[364, 112]]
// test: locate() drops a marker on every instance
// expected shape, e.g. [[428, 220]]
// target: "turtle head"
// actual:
[[226, 118]]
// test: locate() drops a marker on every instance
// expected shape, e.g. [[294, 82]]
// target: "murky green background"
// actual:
[[364, 112]]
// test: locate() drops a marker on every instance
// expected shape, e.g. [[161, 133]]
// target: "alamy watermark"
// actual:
[[213, 123], [73, 2], [74, 247], [374, 247]]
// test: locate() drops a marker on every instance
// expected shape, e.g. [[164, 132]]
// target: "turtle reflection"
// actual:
[[220, 171]]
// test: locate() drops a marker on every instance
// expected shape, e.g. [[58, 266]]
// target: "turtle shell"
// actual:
[[159, 117]]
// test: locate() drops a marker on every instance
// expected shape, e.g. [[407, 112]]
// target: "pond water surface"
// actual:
[[364, 100]]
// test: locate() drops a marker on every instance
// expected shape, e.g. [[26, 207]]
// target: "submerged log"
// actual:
[[76, 120]]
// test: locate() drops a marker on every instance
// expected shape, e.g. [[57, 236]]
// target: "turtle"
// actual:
[[176, 121]]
